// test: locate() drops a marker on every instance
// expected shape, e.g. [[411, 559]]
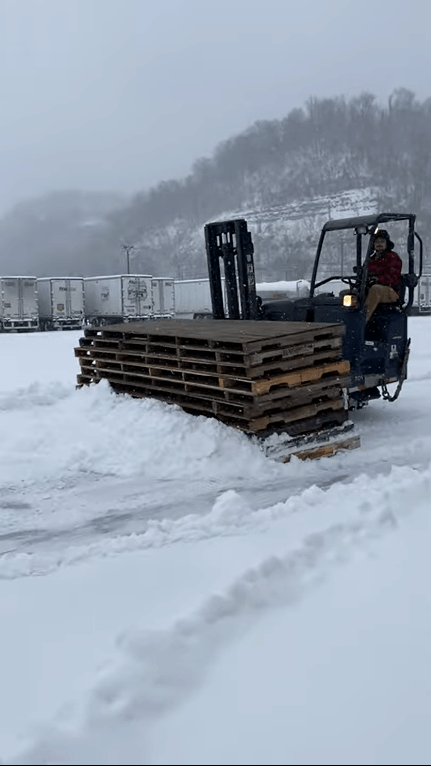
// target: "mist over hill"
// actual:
[[331, 158]]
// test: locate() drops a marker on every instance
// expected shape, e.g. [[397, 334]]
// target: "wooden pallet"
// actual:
[[252, 336], [254, 375], [278, 398], [218, 363], [217, 342], [249, 415], [94, 369]]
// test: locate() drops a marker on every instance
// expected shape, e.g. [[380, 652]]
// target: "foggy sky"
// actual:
[[121, 94]]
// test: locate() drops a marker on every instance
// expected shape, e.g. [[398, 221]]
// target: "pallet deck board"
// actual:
[[325, 450], [339, 368], [250, 335]]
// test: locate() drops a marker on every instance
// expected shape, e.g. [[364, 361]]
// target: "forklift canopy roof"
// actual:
[[367, 220]]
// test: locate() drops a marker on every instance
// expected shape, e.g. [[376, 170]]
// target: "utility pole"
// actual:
[[128, 249]]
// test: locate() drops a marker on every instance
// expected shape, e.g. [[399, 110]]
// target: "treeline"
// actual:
[[329, 145]]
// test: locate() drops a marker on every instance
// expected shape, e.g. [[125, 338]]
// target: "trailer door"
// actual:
[[137, 299], [11, 298], [424, 297], [28, 298], [59, 298], [144, 296], [75, 298]]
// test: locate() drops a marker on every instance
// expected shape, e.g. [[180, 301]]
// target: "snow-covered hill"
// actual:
[[285, 235], [308, 215]]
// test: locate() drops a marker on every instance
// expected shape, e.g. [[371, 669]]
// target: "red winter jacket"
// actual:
[[387, 269]]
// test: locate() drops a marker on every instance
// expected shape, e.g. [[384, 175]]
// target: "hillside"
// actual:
[[331, 158], [285, 236]]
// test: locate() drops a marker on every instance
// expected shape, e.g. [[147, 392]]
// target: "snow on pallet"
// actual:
[[257, 376]]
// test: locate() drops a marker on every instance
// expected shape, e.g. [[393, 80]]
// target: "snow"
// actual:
[[308, 215], [170, 595], [295, 289]]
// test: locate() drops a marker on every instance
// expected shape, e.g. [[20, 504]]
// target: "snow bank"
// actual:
[[95, 431], [232, 515]]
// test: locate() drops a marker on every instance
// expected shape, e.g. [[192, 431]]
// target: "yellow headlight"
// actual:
[[350, 301]]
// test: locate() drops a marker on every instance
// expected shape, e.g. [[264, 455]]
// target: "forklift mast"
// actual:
[[229, 243]]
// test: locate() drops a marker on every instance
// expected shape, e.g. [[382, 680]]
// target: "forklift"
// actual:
[[378, 351]]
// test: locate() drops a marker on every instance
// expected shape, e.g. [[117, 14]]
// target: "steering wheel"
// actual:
[[351, 281]]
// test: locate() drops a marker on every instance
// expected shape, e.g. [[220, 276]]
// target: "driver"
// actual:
[[384, 273]]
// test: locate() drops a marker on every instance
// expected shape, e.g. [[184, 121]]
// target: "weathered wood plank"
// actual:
[[324, 450], [300, 377]]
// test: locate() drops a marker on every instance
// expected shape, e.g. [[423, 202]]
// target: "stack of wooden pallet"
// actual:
[[260, 377]]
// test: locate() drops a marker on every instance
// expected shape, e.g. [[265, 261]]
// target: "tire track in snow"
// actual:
[[231, 515]]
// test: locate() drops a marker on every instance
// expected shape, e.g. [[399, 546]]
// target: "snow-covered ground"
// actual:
[[170, 595]]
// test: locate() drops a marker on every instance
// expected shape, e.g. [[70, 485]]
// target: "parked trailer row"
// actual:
[[48, 303]]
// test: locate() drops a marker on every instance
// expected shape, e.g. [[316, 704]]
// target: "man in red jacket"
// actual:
[[384, 273]]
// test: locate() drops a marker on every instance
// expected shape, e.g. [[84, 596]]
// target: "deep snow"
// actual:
[[170, 595]]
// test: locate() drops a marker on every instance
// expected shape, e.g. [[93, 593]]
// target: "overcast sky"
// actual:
[[121, 94]]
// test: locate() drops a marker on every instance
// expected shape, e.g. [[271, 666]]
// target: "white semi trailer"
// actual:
[[163, 290], [117, 298], [423, 295], [61, 303], [193, 298], [18, 304]]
